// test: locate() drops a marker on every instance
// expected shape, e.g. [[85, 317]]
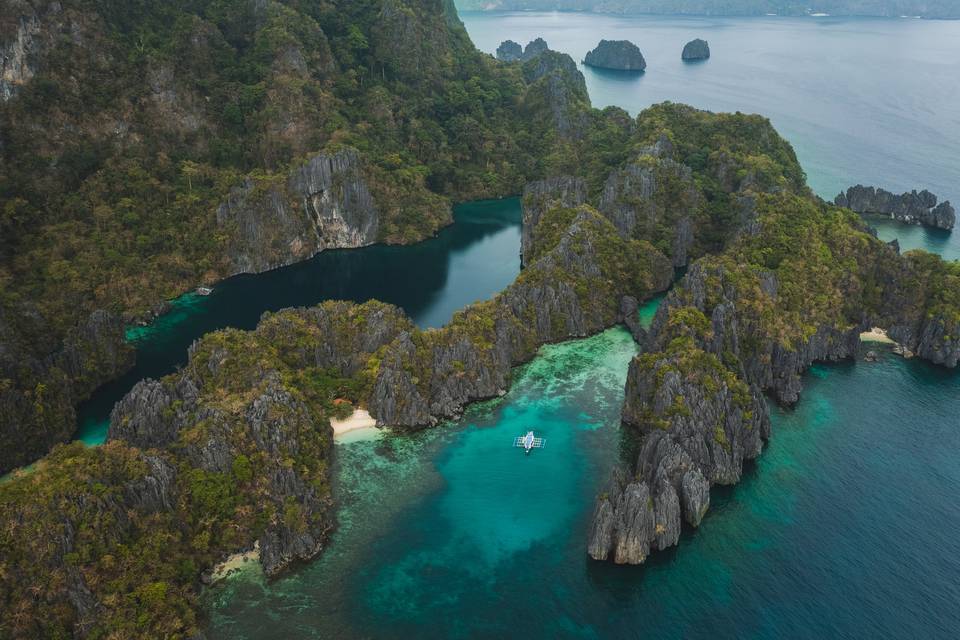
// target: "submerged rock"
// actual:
[[621, 55], [913, 207], [696, 50]]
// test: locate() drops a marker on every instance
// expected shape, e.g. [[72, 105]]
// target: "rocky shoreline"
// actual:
[[695, 395], [911, 208]]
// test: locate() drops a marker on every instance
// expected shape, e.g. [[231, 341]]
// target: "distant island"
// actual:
[[911, 208], [696, 50], [621, 55], [940, 9]]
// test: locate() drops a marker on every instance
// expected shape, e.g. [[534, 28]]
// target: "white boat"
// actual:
[[529, 441], [204, 291]]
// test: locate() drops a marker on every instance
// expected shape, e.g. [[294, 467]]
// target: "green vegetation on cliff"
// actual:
[[235, 449], [111, 541], [120, 146], [122, 143]]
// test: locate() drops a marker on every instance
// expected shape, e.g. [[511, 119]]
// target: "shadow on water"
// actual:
[[616, 75], [472, 259]]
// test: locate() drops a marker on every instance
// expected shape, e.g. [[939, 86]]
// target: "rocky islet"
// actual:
[[694, 50], [912, 207], [619, 55]]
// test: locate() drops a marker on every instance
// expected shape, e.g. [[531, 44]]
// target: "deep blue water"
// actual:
[[473, 259], [863, 100], [845, 527]]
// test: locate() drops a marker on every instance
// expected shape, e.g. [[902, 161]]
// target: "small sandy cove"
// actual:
[[236, 562], [876, 334], [361, 419]]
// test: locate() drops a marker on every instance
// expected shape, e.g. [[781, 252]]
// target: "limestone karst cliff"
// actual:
[[148, 148], [234, 450], [696, 49], [912, 207], [620, 55], [325, 203], [796, 288]]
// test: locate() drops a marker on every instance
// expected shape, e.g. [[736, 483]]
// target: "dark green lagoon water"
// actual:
[[471, 260], [845, 527], [863, 100]]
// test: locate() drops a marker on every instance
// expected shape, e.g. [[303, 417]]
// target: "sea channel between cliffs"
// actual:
[[452, 533]]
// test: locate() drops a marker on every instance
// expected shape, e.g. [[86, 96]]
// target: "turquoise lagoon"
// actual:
[[844, 527]]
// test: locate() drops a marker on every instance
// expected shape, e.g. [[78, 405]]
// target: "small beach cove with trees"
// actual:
[[439, 527]]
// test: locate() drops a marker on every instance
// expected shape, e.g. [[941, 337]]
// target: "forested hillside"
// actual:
[[147, 148]]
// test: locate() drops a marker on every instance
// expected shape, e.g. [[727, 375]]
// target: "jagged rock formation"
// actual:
[[583, 277], [534, 48], [912, 208], [557, 87], [621, 55], [274, 421], [509, 51], [234, 450], [224, 142], [324, 204], [41, 380], [919, 307], [134, 489], [696, 50], [655, 198], [538, 198], [747, 322]]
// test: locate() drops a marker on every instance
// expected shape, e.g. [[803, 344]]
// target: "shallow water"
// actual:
[[471, 260], [442, 532], [862, 100], [845, 526]]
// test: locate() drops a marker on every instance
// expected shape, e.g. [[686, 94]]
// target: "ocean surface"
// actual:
[[473, 259], [846, 526], [863, 100]]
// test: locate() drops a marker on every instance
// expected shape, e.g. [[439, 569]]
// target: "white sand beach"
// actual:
[[236, 562], [361, 419], [876, 334]]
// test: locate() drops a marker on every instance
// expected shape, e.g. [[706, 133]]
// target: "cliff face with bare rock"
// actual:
[[324, 204], [911, 208], [750, 321], [573, 286]]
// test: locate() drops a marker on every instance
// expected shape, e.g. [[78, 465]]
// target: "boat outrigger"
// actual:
[[529, 442]]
